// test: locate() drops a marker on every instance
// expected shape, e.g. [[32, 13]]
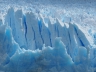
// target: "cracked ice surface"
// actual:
[[46, 41]]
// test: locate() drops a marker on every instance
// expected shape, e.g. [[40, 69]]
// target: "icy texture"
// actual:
[[29, 44], [15, 59]]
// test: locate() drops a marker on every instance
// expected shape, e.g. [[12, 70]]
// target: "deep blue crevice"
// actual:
[[34, 36], [69, 37], [40, 27], [25, 25], [82, 44], [33, 33], [50, 37], [56, 30]]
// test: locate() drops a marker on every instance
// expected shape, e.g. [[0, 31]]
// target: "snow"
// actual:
[[45, 42]]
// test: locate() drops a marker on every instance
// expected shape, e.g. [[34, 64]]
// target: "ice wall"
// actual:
[[28, 44], [33, 30]]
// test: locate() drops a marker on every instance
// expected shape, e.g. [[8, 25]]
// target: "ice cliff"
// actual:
[[29, 44]]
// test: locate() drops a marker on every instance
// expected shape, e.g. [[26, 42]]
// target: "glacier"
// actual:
[[30, 42]]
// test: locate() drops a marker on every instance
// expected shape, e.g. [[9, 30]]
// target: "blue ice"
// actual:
[[28, 45]]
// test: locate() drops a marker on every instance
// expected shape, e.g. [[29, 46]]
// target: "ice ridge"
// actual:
[[28, 45]]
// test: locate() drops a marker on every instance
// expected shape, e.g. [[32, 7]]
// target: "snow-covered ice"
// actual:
[[47, 40]]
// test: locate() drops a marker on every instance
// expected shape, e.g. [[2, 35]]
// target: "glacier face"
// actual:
[[29, 44]]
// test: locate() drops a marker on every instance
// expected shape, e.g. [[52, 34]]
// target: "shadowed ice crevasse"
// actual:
[[28, 45]]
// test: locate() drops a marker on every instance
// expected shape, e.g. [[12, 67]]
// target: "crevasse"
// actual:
[[28, 45]]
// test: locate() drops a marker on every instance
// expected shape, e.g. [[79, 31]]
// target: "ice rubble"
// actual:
[[28, 45]]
